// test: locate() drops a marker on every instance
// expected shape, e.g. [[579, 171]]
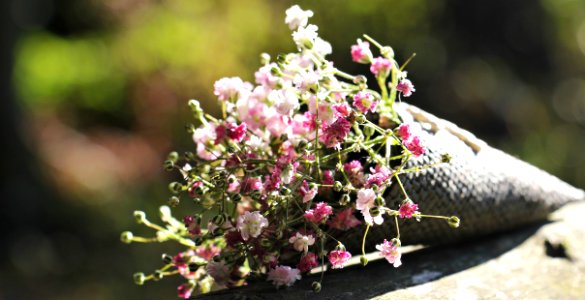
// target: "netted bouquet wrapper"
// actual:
[[311, 166]]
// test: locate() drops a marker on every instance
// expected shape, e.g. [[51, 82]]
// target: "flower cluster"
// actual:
[[294, 165]]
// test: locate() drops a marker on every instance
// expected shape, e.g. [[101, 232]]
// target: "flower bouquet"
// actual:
[[312, 166]]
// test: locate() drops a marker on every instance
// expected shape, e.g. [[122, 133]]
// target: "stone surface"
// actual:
[[542, 261]]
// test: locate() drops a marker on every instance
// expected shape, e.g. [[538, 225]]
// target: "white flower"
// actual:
[[365, 200], [251, 224], [284, 275], [302, 242], [306, 80], [296, 17], [305, 37], [285, 101], [219, 271], [322, 47]]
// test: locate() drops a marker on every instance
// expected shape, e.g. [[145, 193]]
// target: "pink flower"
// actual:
[[380, 66], [344, 220], [415, 146], [338, 258], [391, 252], [364, 102], [328, 177], [194, 190], [405, 87], [307, 193], [335, 133], [308, 262], [207, 252], [204, 138], [264, 76], [229, 89], [361, 52], [273, 181], [184, 290], [354, 171], [251, 184], [219, 271], [407, 208], [251, 224], [342, 110], [302, 242], [181, 262], [320, 213], [404, 131], [192, 224], [284, 275], [365, 200], [380, 175], [325, 110], [232, 131]]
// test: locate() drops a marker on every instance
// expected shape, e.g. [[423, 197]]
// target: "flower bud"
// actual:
[[236, 197], [167, 259], [157, 275], [193, 267], [360, 79], [275, 71], [194, 105], [218, 219], [316, 286], [375, 211], [337, 186], [380, 201], [264, 58], [454, 221], [344, 200], [175, 187], [265, 243], [368, 131], [387, 52], [168, 165], [360, 118], [173, 201], [375, 187], [396, 242], [140, 216], [446, 158], [189, 156], [363, 260], [285, 191], [281, 59], [302, 144], [173, 156], [164, 213], [139, 278], [126, 237]]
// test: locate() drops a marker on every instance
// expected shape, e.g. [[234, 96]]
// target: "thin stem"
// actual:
[[397, 227], [371, 40], [364, 240]]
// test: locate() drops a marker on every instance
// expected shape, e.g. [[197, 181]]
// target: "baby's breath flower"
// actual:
[[405, 87], [284, 275], [361, 53], [338, 258], [296, 17], [251, 224], [305, 37], [381, 66], [391, 252]]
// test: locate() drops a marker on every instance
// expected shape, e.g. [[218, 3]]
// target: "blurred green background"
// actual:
[[94, 95]]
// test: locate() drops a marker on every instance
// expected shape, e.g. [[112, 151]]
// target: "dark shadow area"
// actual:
[[379, 277]]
